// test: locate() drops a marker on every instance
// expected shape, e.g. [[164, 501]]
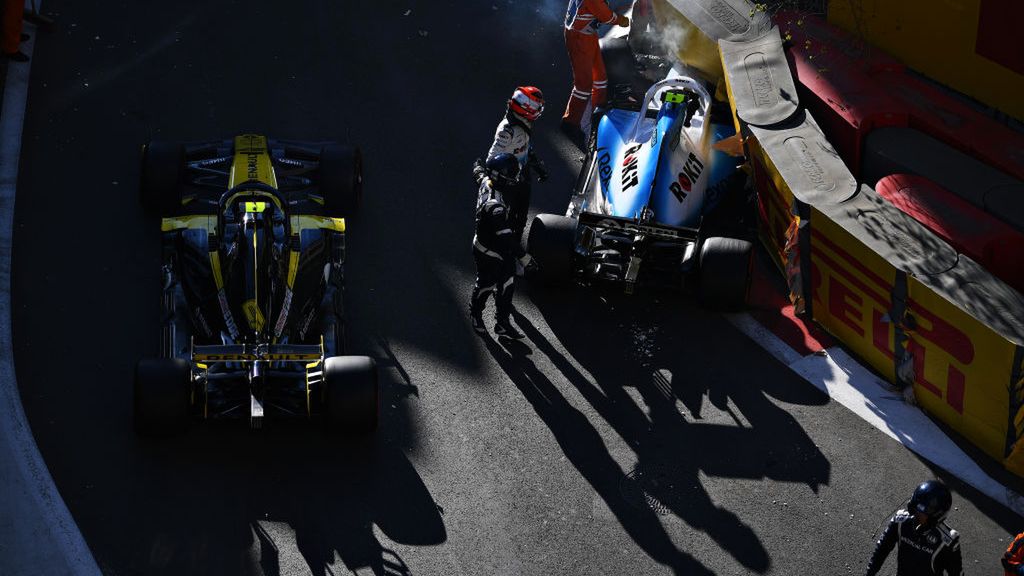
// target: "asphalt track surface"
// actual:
[[624, 435]]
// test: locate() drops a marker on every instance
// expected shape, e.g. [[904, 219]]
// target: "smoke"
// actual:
[[669, 38], [549, 11]]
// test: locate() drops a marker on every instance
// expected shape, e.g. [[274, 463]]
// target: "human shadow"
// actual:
[[221, 515], [585, 449], [676, 354]]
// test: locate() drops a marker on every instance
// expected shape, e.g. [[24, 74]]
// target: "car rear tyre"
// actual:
[[341, 179], [352, 394], [161, 396], [551, 244], [725, 273], [163, 166]]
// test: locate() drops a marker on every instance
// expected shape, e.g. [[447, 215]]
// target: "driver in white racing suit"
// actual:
[[513, 137]]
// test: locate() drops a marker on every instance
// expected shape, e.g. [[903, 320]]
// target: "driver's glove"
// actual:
[[538, 165], [479, 171], [523, 264]]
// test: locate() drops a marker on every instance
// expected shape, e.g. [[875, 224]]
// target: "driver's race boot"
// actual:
[[478, 324], [505, 329]]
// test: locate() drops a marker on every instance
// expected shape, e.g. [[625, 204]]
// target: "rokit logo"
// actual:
[[629, 167], [604, 166], [690, 174]]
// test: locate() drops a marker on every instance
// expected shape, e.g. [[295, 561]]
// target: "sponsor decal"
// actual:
[[858, 301], [285, 307], [250, 357], [201, 321], [761, 83], [629, 168], [925, 326], [229, 322], [604, 167], [306, 322], [683, 185], [253, 314], [252, 171]]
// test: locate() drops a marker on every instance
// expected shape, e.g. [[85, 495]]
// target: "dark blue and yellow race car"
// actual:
[[253, 283]]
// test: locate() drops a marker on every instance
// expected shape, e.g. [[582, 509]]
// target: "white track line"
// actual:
[[857, 388], [37, 533]]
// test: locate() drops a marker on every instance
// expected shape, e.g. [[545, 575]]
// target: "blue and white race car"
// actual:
[[644, 203]]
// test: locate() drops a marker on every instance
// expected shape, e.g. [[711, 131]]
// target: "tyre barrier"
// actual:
[[908, 151], [984, 238], [842, 96], [820, 38], [953, 122], [917, 309], [918, 312], [794, 167]]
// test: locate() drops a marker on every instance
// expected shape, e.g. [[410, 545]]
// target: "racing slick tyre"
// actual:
[[724, 273], [341, 179], [351, 394], [551, 244], [163, 164], [161, 396]]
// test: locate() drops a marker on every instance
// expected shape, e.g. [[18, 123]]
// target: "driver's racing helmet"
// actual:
[[933, 499], [528, 102], [504, 168]]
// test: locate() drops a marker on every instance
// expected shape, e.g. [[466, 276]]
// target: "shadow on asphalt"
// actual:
[[222, 492], [666, 354]]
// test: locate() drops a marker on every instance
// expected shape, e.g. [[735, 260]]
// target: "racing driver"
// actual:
[[513, 137], [926, 545], [496, 248]]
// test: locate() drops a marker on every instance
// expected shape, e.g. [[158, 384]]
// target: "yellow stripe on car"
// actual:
[[293, 268], [218, 280], [252, 161], [309, 221], [197, 222]]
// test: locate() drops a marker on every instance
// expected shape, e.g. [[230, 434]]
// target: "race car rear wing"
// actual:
[[257, 353], [661, 231]]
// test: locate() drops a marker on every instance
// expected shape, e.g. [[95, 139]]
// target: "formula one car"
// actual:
[[253, 270], [649, 205]]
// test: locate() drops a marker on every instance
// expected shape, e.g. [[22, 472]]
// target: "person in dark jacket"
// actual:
[[496, 247], [926, 546]]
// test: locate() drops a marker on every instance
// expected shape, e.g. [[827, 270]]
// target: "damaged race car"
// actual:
[[253, 324], [655, 203]]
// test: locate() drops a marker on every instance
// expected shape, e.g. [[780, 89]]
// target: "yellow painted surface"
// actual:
[[851, 293], [304, 221], [938, 39], [200, 221], [293, 267], [252, 161], [962, 370], [775, 200]]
